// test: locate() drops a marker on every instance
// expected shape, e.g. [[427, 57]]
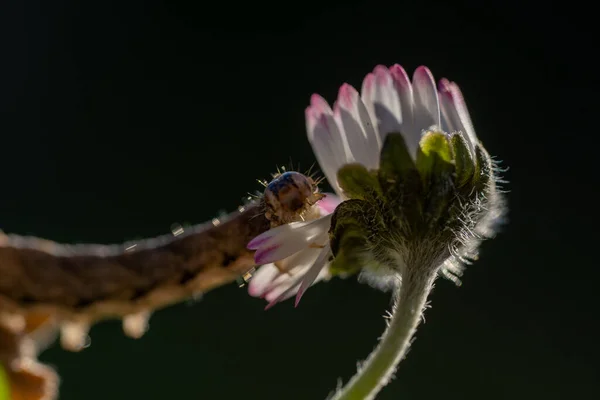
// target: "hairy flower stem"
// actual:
[[408, 309]]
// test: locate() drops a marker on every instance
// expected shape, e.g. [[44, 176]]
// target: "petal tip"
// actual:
[[423, 74], [298, 298], [319, 104], [262, 256], [253, 290], [346, 95], [444, 85], [328, 204], [379, 68], [400, 77], [397, 69], [368, 82], [255, 243], [382, 75]]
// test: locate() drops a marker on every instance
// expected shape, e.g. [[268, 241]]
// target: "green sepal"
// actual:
[[348, 237], [396, 163], [483, 168], [349, 260], [399, 179], [434, 157], [357, 182], [463, 160], [436, 168]]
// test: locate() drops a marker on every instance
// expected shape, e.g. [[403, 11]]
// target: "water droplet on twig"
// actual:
[[176, 229], [245, 278]]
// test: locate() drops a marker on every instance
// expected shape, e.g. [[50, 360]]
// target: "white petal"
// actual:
[[286, 284], [426, 108], [311, 275], [451, 121], [457, 107], [322, 275], [294, 266], [282, 293], [291, 239], [412, 135], [328, 204], [277, 234], [449, 117], [353, 118], [367, 92], [262, 279], [386, 103], [326, 139]]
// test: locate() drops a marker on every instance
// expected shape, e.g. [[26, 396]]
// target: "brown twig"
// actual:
[[45, 285]]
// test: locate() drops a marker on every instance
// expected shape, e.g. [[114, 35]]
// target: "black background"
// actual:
[[118, 119]]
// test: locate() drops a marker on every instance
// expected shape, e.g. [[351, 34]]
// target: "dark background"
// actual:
[[118, 119]]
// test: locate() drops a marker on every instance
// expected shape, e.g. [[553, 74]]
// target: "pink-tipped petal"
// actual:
[[311, 120], [283, 232], [261, 280], [368, 84], [280, 234], [290, 271], [328, 204], [449, 117], [405, 95], [386, 103], [291, 238], [311, 275], [427, 109], [319, 104], [281, 294], [352, 116], [276, 283], [259, 241], [403, 86], [347, 96], [267, 254], [325, 138], [462, 111], [451, 121], [381, 101], [367, 92]]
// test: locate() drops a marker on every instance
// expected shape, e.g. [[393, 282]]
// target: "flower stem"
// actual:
[[377, 370]]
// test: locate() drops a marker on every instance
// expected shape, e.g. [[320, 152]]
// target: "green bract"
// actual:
[[415, 208]]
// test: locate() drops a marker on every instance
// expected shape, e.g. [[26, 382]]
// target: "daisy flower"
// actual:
[[419, 193], [296, 259], [353, 131]]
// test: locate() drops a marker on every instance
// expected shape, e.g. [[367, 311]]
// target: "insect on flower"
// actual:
[[419, 194], [405, 154], [289, 196], [292, 197]]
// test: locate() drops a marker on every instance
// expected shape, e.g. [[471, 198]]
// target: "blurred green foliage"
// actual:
[[4, 388]]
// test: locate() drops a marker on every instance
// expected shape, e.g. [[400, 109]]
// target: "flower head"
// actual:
[[294, 255], [414, 180]]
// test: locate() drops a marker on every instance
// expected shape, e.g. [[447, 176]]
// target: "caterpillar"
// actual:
[[47, 286], [81, 284]]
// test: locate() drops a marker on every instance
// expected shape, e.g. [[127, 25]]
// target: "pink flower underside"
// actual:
[[443, 103], [328, 204]]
